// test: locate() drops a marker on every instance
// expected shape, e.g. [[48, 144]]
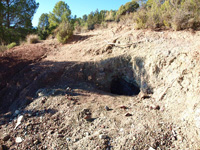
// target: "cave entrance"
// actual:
[[119, 86]]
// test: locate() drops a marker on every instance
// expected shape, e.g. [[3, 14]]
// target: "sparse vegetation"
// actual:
[[177, 15], [32, 39], [64, 32], [127, 8], [3, 48], [11, 45]]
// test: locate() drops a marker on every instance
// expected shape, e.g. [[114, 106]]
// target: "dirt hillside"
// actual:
[[115, 88]]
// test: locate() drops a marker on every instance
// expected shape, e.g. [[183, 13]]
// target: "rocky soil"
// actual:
[[59, 96]]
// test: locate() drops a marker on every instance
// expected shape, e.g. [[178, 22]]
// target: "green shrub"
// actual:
[[11, 45], [140, 17], [64, 32], [178, 15], [32, 39], [110, 16], [127, 8]]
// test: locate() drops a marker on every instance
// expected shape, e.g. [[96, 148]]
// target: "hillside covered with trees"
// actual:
[[16, 17]]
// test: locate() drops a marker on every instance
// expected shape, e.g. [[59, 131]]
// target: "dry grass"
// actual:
[[32, 39], [64, 32], [3, 48]]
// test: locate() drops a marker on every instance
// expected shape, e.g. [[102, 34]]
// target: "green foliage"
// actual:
[[11, 45], [90, 21], [64, 31], [97, 18], [61, 13], [85, 18], [43, 26], [178, 15], [15, 16], [110, 15], [140, 17], [127, 8]]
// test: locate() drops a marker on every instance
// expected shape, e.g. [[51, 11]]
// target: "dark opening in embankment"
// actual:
[[120, 86]]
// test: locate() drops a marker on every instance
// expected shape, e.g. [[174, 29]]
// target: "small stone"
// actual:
[[107, 108], [87, 117], [43, 100], [121, 130], [17, 112], [51, 132], [150, 148], [6, 137], [124, 107], [87, 134], [76, 139], [128, 115], [157, 107], [36, 142], [19, 120], [102, 136], [18, 140], [89, 78], [68, 139]]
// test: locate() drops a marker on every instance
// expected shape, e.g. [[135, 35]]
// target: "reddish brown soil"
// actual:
[[16, 70]]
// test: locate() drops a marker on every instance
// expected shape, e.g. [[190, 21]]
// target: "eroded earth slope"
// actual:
[[56, 96]]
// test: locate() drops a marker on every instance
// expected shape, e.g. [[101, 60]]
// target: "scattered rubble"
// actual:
[[62, 99]]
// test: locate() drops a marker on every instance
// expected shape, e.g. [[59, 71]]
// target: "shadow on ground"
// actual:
[[20, 79], [77, 38]]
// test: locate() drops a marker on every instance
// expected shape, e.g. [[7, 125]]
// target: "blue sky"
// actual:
[[78, 7]]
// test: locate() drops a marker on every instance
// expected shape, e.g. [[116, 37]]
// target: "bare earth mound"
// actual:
[[115, 88]]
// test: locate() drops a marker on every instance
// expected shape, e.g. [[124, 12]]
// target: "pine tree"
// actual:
[[61, 12], [15, 18], [43, 26]]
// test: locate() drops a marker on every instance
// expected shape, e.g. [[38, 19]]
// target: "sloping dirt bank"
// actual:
[[66, 99]]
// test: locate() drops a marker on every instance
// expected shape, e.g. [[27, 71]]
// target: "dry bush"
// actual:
[[179, 20], [140, 18], [32, 39], [3, 48], [84, 29], [97, 26], [77, 29], [104, 25], [127, 19], [112, 24], [154, 19], [64, 32]]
